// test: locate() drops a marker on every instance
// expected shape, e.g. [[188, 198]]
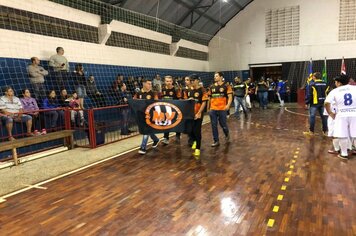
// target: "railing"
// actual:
[[100, 126]]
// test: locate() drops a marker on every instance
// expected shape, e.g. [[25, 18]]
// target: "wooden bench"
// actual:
[[67, 135]]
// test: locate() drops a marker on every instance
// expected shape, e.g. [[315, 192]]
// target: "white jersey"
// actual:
[[344, 99]]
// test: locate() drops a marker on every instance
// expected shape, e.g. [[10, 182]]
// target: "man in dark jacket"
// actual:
[[93, 92]]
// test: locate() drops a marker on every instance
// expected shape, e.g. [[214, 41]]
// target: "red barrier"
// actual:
[[301, 97]]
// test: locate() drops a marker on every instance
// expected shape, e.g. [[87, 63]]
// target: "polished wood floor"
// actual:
[[269, 180]]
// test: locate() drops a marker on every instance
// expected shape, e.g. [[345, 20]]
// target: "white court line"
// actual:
[[65, 174], [296, 113], [35, 186]]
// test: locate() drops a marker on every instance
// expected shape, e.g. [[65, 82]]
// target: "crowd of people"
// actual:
[[337, 110]]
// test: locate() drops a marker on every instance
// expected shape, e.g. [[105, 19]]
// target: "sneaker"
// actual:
[[197, 154], [43, 132], [332, 151], [215, 144], [343, 157], [155, 143], [142, 151], [165, 141], [194, 146], [36, 132], [308, 133], [325, 133], [11, 138], [29, 135]]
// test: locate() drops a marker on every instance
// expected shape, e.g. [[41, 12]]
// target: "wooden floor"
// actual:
[[270, 180]]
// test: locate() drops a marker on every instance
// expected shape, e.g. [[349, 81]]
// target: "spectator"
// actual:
[[94, 93], [11, 109], [262, 91], [130, 85], [60, 66], [157, 84], [30, 107], [115, 87], [51, 102], [74, 103], [64, 98], [125, 110], [80, 82], [37, 74]]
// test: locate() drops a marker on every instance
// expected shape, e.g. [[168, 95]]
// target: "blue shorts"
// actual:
[[9, 119], [81, 91]]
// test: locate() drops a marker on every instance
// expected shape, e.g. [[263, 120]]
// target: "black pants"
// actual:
[[196, 132], [98, 99], [166, 135]]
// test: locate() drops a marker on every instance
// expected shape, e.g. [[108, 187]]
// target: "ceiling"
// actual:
[[205, 16]]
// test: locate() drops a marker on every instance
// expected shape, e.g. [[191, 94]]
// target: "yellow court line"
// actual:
[[286, 179], [270, 223], [280, 197], [289, 172], [291, 166], [275, 209], [284, 187]]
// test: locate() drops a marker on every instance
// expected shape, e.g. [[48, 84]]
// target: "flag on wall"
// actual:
[[310, 66], [325, 74], [162, 116], [343, 67]]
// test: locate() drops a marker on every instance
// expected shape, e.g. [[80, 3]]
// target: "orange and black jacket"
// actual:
[[199, 95], [219, 96], [171, 93], [150, 95]]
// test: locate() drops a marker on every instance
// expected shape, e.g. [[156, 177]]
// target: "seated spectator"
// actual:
[[80, 82], [60, 66], [64, 98], [74, 103], [51, 102], [94, 93], [30, 107], [11, 109], [37, 74]]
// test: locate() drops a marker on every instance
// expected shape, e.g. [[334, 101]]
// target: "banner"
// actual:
[[160, 116]]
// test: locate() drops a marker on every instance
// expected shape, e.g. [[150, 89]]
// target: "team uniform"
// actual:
[[239, 95], [281, 92], [344, 98], [200, 97], [170, 94], [218, 100], [147, 95]]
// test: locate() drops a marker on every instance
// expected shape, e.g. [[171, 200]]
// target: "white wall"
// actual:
[[242, 41], [16, 44]]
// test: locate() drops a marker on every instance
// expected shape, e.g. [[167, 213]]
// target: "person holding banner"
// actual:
[[220, 99], [147, 94], [199, 95], [169, 92]]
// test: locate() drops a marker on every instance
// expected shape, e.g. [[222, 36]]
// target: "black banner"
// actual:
[[160, 116]]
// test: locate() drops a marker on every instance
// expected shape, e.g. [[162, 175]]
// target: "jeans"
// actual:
[[145, 140], [263, 98], [125, 115], [239, 101], [312, 114], [54, 117], [39, 90], [220, 116]]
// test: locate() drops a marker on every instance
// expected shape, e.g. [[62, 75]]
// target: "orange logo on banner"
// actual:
[[163, 115]]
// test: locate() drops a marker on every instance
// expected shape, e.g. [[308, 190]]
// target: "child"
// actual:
[[74, 103]]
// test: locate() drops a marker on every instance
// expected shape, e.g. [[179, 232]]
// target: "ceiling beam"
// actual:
[[200, 13], [236, 4], [192, 21], [191, 11]]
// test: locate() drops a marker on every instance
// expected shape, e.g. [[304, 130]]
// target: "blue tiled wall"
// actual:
[[13, 73]]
